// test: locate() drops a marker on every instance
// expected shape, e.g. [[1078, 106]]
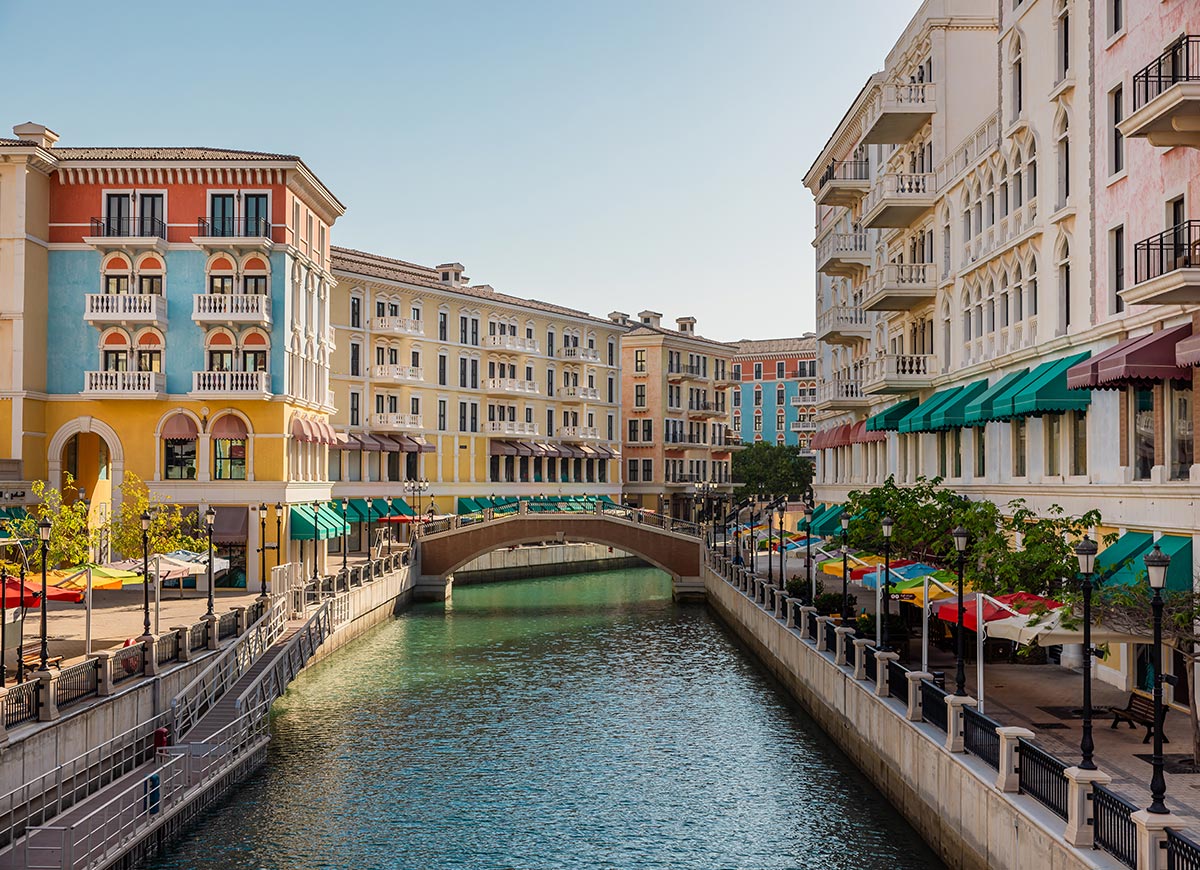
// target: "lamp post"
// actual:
[[387, 503], [782, 510], [316, 581], [3, 628], [415, 488], [278, 532], [770, 555], [812, 579], [345, 529], [887, 524], [210, 517], [960, 674], [262, 548], [845, 566], [21, 637], [146, 571], [370, 517], [1085, 552], [1157, 563], [44, 534]]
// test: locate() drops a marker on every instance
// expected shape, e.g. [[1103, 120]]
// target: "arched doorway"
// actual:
[[90, 452]]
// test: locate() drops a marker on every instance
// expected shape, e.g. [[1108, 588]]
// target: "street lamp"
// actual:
[[1085, 552], [770, 555], [845, 566], [1157, 563], [146, 571], [44, 534], [782, 510], [210, 517], [887, 523], [278, 532], [370, 517], [315, 579], [960, 674], [345, 529], [812, 580], [389, 526], [262, 548], [415, 488]]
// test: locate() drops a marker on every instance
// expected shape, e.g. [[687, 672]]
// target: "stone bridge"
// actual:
[[673, 546]]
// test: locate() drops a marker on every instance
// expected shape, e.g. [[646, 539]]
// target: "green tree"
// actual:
[[170, 529], [1043, 564], [771, 469], [71, 541]]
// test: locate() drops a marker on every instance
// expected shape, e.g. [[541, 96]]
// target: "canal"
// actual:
[[566, 722]]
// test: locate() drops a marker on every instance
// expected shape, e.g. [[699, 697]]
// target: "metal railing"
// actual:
[[1179, 63], [1176, 248], [166, 648], [226, 625], [897, 681], [933, 705], [198, 636], [274, 680], [1040, 775], [233, 228], [77, 682], [980, 737], [128, 227], [830, 637], [128, 662], [1182, 852], [845, 170], [1113, 829], [813, 626], [21, 703]]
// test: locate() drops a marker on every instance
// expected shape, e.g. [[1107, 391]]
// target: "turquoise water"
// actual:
[[573, 722]]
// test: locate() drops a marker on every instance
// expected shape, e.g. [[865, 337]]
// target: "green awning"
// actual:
[[484, 502], [979, 410], [467, 505], [1126, 548], [1045, 390], [401, 508], [918, 420], [359, 505], [818, 512], [321, 525], [332, 521], [829, 523], [952, 414], [886, 421], [351, 514], [1179, 573]]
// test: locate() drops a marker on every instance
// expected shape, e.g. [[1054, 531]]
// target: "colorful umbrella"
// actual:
[[28, 592], [999, 607]]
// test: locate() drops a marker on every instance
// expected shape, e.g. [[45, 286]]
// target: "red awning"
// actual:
[[859, 435], [1022, 602], [326, 433], [1149, 358], [818, 440], [29, 594], [1187, 352], [839, 437], [180, 427]]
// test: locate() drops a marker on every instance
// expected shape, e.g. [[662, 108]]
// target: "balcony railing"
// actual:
[[125, 307], [579, 433], [843, 183], [241, 383], [899, 372], [705, 408], [845, 170], [399, 372], [511, 342], [681, 372], [841, 392], [134, 383], [233, 228], [1166, 97], [897, 111], [128, 228], [396, 422], [511, 385], [400, 325], [231, 308], [583, 394], [1179, 63], [843, 324], [1166, 267], [583, 354], [509, 427], [899, 198], [682, 441], [899, 287], [843, 253]]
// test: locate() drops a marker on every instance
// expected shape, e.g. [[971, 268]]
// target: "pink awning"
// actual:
[[180, 427], [302, 430], [230, 427], [230, 525]]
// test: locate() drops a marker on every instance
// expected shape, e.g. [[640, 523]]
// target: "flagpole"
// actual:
[[979, 649], [925, 626], [87, 644]]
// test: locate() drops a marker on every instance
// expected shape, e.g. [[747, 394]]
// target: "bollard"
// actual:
[[212, 619], [104, 683], [779, 598], [1007, 777], [914, 711], [790, 605], [47, 690], [845, 634], [149, 653], [860, 657], [881, 680], [1080, 806], [954, 720]]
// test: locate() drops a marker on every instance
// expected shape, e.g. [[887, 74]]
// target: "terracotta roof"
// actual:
[[675, 333], [376, 266], [802, 344], [157, 153], [19, 143]]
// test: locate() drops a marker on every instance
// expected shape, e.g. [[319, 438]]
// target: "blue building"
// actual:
[[778, 395]]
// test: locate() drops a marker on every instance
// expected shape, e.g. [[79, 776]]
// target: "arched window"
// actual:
[[220, 276], [151, 272], [254, 352], [1018, 295], [1016, 65], [179, 435], [149, 351], [1018, 190], [255, 277], [114, 351], [1031, 178], [1031, 291], [1062, 138], [1063, 260], [220, 352], [1002, 192], [116, 275], [989, 308], [966, 316], [1063, 39], [229, 439]]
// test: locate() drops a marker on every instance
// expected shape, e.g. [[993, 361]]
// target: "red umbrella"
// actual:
[[1022, 602], [18, 595]]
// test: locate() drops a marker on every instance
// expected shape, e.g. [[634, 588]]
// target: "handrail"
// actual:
[[272, 682]]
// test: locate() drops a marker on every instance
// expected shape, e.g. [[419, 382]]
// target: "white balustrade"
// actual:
[[399, 372], [583, 433], [231, 382], [232, 307], [511, 342], [509, 427], [396, 422], [587, 394], [143, 383], [511, 385], [584, 354], [399, 325], [126, 307]]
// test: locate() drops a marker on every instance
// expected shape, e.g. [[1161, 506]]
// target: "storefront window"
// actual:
[[229, 459], [1079, 444], [179, 460], [1143, 433], [1018, 447], [1053, 426], [1181, 432], [956, 451], [980, 452]]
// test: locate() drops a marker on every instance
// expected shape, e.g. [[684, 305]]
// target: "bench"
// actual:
[[33, 661], [1139, 710]]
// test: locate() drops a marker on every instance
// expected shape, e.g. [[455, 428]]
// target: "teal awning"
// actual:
[[352, 515], [377, 511], [818, 512], [321, 524], [952, 414], [1045, 390], [484, 502], [467, 505], [401, 508], [1179, 573], [1125, 549], [887, 420], [829, 522], [918, 419], [979, 410]]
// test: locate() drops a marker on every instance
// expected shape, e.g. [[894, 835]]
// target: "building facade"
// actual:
[[777, 397], [479, 392], [675, 387], [996, 276]]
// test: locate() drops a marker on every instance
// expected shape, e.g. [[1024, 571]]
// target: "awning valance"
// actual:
[[1187, 352], [953, 413], [1044, 391], [1125, 549], [979, 410], [886, 421], [180, 427], [1148, 358], [918, 419], [230, 524]]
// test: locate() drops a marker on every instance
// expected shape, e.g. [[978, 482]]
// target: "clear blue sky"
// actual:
[[604, 155]]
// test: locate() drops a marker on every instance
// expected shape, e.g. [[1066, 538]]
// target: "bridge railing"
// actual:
[[272, 682], [635, 516]]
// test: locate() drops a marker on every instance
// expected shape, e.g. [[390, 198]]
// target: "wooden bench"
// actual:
[[1139, 710], [33, 661]]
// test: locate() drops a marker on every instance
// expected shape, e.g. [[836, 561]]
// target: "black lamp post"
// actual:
[[210, 517], [370, 517], [812, 580], [1085, 552], [146, 571], [753, 547], [770, 555], [345, 529], [1157, 563], [21, 637], [782, 510], [315, 579], [262, 548], [415, 488], [278, 532], [389, 526], [44, 534], [886, 523], [845, 566], [960, 673], [3, 628]]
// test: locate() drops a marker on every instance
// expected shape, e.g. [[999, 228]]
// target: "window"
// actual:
[[1078, 444], [737, 398], [116, 360], [779, 370], [415, 313], [355, 313], [442, 363], [152, 285], [462, 330], [611, 430], [443, 324], [612, 359], [1018, 447], [475, 374], [1116, 17], [1064, 40], [980, 452], [1142, 433], [633, 471], [462, 416], [956, 451], [1116, 112], [229, 459], [942, 441], [475, 331], [354, 409], [647, 430], [1064, 163], [737, 371], [116, 284], [1052, 424], [1181, 440], [639, 361], [612, 390], [757, 396], [441, 418], [179, 460], [355, 364], [639, 396], [1018, 79], [633, 430], [758, 371], [1116, 256], [220, 284], [647, 470]]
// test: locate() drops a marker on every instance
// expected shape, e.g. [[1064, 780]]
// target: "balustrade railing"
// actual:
[[980, 737], [128, 227], [1040, 775], [128, 662], [231, 382], [228, 227], [1182, 852], [77, 682], [1176, 248], [933, 705], [125, 306], [1113, 828], [1179, 63], [21, 703], [813, 626], [147, 383], [235, 306], [830, 637], [845, 170]]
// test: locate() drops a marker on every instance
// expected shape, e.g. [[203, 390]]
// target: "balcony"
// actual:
[[683, 479], [841, 394], [579, 354], [402, 374], [396, 422], [899, 373], [844, 183], [899, 199], [510, 428], [678, 374], [897, 112], [1166, 268], [125, 385], [843, 325], [578, 433], [511, 342], [135, 235], [705, 409], [240, 233], [398, 325], [683, 442], [580, 394], [232, 384], [1166, 98], [844, 254], [800, 426], [900, 287], [511, 386], [232, 308], [103, 309]]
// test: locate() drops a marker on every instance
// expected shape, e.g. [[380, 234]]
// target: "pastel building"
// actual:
[[777, 399], [165, 312]]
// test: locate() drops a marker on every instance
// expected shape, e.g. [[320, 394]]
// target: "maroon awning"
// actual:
[[1148, 359], [369, 442], [1187, 352], [502, 448], [388, 443], [522, 449], [858, 434], [423, 444], [230, 525], [180, 427]]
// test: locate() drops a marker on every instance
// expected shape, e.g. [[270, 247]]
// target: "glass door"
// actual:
[[116, 214], [257, 222], [150, 215], [222, 215]]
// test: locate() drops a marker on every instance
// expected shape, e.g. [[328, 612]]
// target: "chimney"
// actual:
[[619, 317], [650, 318], [451, 274], [42, 135], [687, 325]]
